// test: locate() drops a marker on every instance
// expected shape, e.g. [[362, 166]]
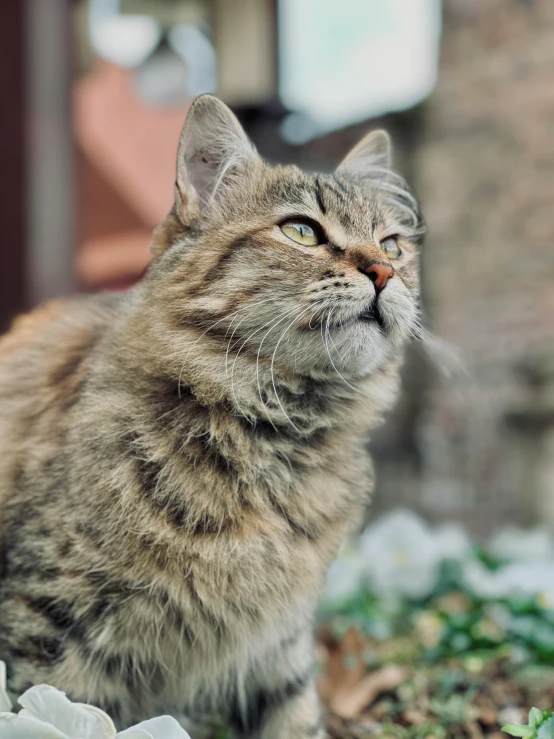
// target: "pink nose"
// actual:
[[378, 273]]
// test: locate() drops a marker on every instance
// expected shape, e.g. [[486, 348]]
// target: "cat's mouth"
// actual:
[[372, 313]]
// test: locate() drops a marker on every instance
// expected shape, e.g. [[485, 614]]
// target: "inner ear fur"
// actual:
[[213, 151], [370, 157], [213, 148]]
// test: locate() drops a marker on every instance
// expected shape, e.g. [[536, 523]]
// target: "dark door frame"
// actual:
[[14, 161]]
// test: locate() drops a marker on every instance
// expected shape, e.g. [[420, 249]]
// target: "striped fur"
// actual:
[[179, 464]]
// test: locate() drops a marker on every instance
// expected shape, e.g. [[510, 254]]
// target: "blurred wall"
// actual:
[[479, 443]]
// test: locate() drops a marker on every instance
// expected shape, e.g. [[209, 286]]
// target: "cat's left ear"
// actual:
[[370, 157], [213, 150]]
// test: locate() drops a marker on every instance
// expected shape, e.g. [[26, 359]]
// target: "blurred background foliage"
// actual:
[[425, 633]]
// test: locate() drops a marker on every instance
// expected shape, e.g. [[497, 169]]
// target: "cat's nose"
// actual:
[[378, 273]]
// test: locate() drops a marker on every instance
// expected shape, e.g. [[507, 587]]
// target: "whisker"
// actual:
[[258, 379], [273, 375], [342, 357], [321, 307], [258, 369], [223, 318], [275, 321], [273, 358], [329, 353], [273, 363], [229, 343]]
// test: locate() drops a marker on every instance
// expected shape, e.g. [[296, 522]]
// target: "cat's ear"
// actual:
[[370, 157], [213, 149]]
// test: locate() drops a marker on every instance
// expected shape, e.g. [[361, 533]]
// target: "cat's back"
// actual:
[[43, 364]]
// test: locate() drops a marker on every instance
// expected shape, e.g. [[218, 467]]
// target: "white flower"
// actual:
[[530, 579], [344, 577], [164, 727], [452, 541], [402, 555], [482, 581], [5, 702], [48, 714], [514, 544]]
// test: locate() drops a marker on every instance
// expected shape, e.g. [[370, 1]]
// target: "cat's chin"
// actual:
[[350, 351], [367, 341], [364, 346], [353, 346]]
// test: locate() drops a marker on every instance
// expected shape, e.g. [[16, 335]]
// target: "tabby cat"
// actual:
[[179, 463]]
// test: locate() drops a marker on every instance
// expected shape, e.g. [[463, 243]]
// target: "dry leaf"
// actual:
[[349, 700], [344, 664]]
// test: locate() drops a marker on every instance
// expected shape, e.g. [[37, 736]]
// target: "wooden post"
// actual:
[[13, 159], [52, 201], [37, 211]]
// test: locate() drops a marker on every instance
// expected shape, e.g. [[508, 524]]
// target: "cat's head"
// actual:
[[315, 273]]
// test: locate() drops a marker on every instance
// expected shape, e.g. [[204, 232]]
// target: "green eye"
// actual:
[[391, 248], [302, 233]]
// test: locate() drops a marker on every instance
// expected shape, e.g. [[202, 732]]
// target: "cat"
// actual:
[[180, 463]]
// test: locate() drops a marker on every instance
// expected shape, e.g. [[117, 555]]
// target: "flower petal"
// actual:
[[5, 702], [14, 726], [72, 719], [163, 727], [452, 541], [99, 721], [402, 555], [522, 545], [343, 581]]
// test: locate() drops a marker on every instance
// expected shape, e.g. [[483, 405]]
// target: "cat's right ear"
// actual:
[[213, 152], [370, 157]]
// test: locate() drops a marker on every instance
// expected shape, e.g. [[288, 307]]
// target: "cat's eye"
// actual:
[[391, 248], [301, 232]]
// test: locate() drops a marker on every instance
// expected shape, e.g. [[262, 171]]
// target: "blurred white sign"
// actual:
[[343, 61]]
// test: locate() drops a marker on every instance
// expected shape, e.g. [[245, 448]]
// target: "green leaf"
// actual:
[[546, 731], [535, 717], [518, 730]]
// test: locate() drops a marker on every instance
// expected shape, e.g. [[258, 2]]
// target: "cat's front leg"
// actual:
[[290, 712], [297, 717]]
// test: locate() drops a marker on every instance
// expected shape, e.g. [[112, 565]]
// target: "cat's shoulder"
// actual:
[[73, 318]]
